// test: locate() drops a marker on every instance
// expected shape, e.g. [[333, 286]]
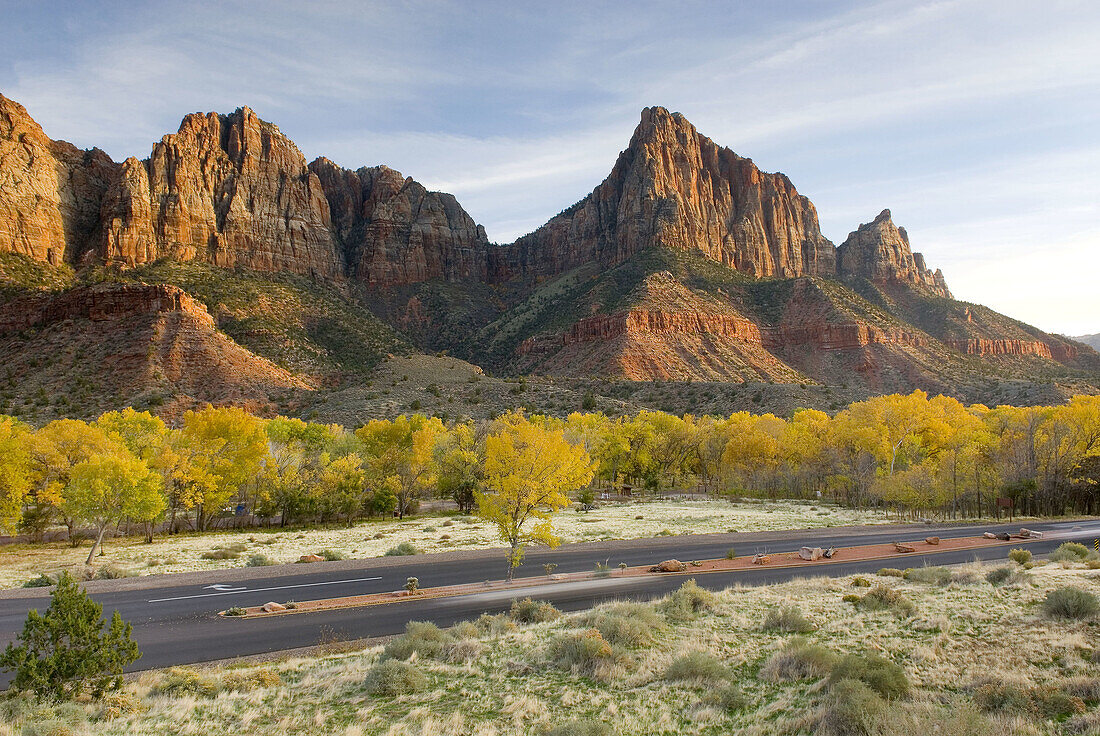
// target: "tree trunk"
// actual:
[[96, 545]]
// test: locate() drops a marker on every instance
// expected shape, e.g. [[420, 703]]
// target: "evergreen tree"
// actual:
[[65, 651]]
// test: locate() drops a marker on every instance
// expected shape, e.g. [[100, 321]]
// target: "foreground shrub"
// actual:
[[1006, 575], [42, 581], [928, 575], [245, 680], [876, 672], [181, 681], [1020, 556], [799, 660], [332, 555], [699, 666], [728, 698], [529, 611], [687, 601], [585, 652], [626, 624], [391, 678], [423, 638], [852, 709], [1046, 703], [1072, 603], [891, 572], [787, 619], [581, 727], [260, 560], [860, 582], [881, 598], [401, 550], [1070, 552]]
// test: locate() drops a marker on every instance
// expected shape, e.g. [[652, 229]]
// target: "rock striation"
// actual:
[[879, 251]]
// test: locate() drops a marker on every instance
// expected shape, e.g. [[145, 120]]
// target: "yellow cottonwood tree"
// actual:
[[529, 474], [15, 469]]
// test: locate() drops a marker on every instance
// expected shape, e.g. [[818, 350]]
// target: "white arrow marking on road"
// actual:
[[223, 587], [260, 590]]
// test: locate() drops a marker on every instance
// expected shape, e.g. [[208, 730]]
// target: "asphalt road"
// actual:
[[178, 623]]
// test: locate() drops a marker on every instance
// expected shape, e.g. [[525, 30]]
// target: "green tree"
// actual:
[[65, 651], [400, 455]]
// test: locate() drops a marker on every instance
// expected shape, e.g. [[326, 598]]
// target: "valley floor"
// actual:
[[185, 552], [498, 677]]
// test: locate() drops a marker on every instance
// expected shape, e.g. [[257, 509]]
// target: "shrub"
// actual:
[[117, 704], [1070, 552], [1020, 556], [66, 650], [221, 553], [236, 611], [423, 638], [181, 681], [529, 611], [851, 710], [1071, 603], [585, 651], [799, 660], [999, 575], [1086, 688], [581, 727], [246, 680], [462, 650], [880, 674], [490, 624], [728, 698], [860, 582], [401, 550], [881, 598], [331, 555], [787, 619], [626, 624], [928, 575], [42, 581], [687, 601], [260, 560], [1041, 702], [391, 678], [891, 572], [851, 598], [412, 584], [699, 666]]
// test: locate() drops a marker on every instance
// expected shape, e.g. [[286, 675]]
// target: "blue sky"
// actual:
[[974, 121]]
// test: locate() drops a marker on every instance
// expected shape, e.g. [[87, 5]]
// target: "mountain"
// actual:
[[687, 263], [1093, 341]]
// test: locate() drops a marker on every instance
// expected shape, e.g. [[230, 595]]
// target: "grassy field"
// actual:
[[954, 655], [185, 552]]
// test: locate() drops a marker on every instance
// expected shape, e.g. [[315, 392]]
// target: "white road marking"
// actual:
[[223, 587], [261, 590]]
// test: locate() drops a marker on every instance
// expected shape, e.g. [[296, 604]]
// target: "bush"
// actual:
[[881, 598], [246, 680], [1070, 552], [687, 601], [581, 727], [1020, 556], [626, 624], [529, 611], [181, 681], [423, 638], [728, 698], [260, 560], [585, 651], [799, 660], [852, 709], [880, 674], [890, 572], [1042, 702], [236, 611], [42, 581], [402, 550], [999, 575], [787, 619], [332, 555], [391, 678], [117, 704], [1071, 603], [928, 575], [1086, 688], [697, 666], [860, 582], [66, 650]]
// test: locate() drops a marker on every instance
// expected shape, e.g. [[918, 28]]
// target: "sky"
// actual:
[[975, 122]]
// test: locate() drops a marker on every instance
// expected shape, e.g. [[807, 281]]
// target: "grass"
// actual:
[[566, 674]]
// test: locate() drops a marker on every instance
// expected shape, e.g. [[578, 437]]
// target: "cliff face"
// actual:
[[879, 251], [50, 192], [675, 188], [394, 231]]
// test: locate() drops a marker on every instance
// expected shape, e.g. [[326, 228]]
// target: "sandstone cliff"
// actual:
[[879, 251], [675, 188]]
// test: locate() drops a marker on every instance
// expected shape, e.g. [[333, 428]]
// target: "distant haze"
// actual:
[[973, 121]]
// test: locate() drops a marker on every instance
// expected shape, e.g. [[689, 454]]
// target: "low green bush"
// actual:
[[890, 572], [875, 671], [1009, 698], [697, 666], [928, 575], [1072, 603], [881, 598], [586, 652], [402, 550], [860, 582], [260, 560], [423, 638], [581, 727], [391, 678], [728, 698], [236, 611], [788, 619], [42, 581], [799, 660], [181, 681], [529, 611], [1070, 552], [851, 709], [331, 555], [626, 624], [1020, 556], [687, 601]]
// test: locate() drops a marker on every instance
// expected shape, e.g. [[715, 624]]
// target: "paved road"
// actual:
[[177, 623]]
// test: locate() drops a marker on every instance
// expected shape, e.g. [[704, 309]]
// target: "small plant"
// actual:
[[422, 638], [728, 698], [1020, 556], [528, 611], [1047, 703], [880, 674], [402, 550], [622, 567], [928, 575], [236, 611], [731, 554], [412, 585], [799, 660], [881, 598], [1071, 603], [182, 681], [890, 572], [549, 567], [852, 709], [687, 601], [602, 570], [1070, 552], [260, 560], [582, 727], [626, 624], [697, 666], [331, 555], [42, 581], [860, 582], [586, 652], [787, 619], [391, 678]]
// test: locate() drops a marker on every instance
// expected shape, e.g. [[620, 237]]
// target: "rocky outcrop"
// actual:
[[675, 188], [228, 189], [1060, 351], [98, 303], [394, 231], [879, 251], [50, 192]]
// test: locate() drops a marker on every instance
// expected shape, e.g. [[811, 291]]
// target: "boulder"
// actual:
[[761, 559], [932, 540], [900, 547], [311, 558], [811, 553], [669, 566], [989, 535], [272, 607], [830, 553], [1030, 534], [1004, 536]]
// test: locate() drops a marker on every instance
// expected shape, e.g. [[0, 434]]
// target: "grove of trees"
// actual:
[[905, 454]]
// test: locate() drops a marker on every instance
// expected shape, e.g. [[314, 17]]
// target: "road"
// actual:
[[178, 623]]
